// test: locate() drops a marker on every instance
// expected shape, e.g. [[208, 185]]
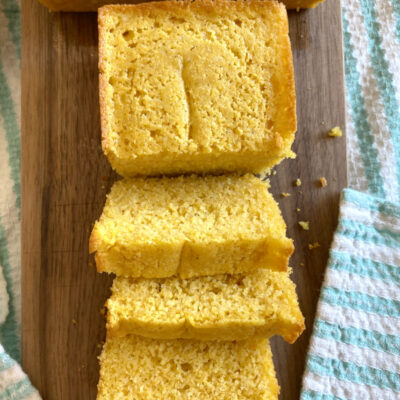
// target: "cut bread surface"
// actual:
[[203, 86], [190, 226]]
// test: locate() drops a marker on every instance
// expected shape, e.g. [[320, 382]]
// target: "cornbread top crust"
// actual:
[[204, 209], [135, 368], [200, 77], [222, 306]]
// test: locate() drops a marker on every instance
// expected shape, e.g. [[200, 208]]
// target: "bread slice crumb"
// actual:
[[323, 181], [297, 182], [285, 194], [305, 225], [313, 246], [335, 132]]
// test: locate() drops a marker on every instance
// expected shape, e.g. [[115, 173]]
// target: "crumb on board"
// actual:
[[305, 225], [274, 173], [297, 182], [285, 194], [323, 181], [74, 321], [298, 209], [335, 132], [313, 246], [301, 264], [102, 310]]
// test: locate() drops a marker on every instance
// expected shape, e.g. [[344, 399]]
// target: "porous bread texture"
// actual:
[[93, 5], [221, 307], [203, 86], [136, 368], [190, 226]]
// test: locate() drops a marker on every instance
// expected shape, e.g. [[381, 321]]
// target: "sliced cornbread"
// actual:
[[136, 368], [221, 307], [190, 226], [203, 86]]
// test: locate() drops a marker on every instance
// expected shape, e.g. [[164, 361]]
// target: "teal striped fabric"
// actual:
[[355, 346], [14, 384]]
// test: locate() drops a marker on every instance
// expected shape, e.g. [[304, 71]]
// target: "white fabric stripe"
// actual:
[[11, 69], [345, 389], [11, 375], [390, 44], [356, 172], [358, 319], [373, 102], [11, 222], [359, 355], [358, 248], [363, 215], [373, 287]]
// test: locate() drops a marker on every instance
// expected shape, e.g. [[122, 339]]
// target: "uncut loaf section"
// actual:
[[201, 261]]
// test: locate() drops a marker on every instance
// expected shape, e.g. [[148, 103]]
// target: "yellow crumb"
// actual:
[[314, 245], [297, 182], [102, 310], [305, 225], [298, 209], [323, 181], [74, 321], [301, 264], [274, 173], [335, 132], [284, 194]]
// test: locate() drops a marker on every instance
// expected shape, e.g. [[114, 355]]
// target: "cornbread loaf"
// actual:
[[202, 86], [190, 226], [136, 368], [93, 5], [221, 307]]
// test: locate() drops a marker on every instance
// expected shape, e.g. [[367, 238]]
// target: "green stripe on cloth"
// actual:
[[383, 76], [12, 12], [311, 395], [9, 329], [12, 135], [368, 202], [357, 337], [359, 113], [396, 9], [364, 267], [360, 301], [6, 362], [368, 233], [17, 391], [352, 372]]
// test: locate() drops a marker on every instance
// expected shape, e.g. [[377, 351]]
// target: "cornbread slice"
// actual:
[[136, 368], [203, 86], [93, 5], [190, 226], [221, 307]]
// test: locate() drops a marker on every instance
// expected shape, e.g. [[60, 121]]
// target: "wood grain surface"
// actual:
[[65, 179]]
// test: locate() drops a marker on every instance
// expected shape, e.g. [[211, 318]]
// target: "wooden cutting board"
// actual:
[[65, 178]]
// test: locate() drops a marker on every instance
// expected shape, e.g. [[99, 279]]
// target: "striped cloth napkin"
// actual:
[[355, 347]]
